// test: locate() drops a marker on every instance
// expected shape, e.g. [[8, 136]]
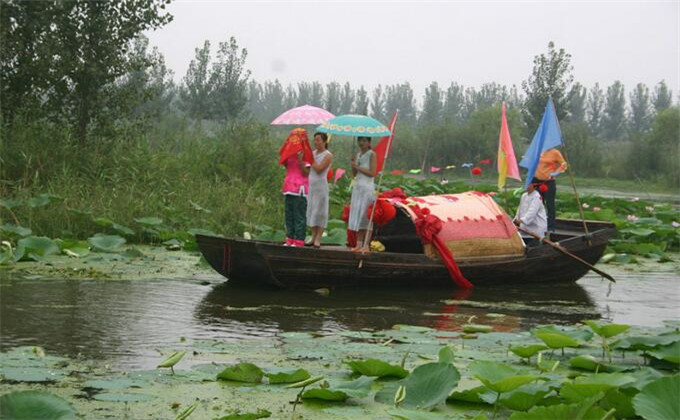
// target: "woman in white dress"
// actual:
[[317, 199], [364, 166]]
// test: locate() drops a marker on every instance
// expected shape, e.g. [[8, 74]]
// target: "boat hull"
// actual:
[[253, 263]]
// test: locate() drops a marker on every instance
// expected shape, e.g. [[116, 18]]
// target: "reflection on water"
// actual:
[[127, 321]]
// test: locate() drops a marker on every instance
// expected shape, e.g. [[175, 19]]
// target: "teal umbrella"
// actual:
[[354, 125]]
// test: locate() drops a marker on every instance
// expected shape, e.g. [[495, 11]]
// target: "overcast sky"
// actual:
[[467, 42]]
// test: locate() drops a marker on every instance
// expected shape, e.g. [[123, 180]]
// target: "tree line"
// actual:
[[85, 66]]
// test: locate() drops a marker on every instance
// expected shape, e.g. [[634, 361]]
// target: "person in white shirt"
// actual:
[[531, 214]]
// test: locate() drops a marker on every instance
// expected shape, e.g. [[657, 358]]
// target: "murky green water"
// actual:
[[125, 322]]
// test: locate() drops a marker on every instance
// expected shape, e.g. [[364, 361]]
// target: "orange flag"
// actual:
[[382, 149], [507, 162]]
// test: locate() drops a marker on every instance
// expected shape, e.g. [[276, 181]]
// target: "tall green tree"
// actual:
[[551, 78], [332, 98], [255, 103], [273, 99], [640, 109], [663, 97], [291, 99], [577, 103], [304, 96], [64, 57], [346, 99], [595, 110], [432, 105], [400, 97], [228, 80], [316, 97], [378, 103], [361, 102], [454, 102], [614, 121], [196, 89]]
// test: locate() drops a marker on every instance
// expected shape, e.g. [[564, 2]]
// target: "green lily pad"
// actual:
[[646, 342], [43, 200], [404, 414], [585, 387], [621, 401], [528, 350], [478, 395], [608, 330], [584, 410], [287, 376], [242, 372], [477, 328], [556, 340], [106, 243], [376, 367], [103, 221], [670, 353], [260, 414], [586, 362], [123, 397], [29, 374], [30, 405], [15, 230], [658, 400], [117, 383], [74, 248], [123, 230], [499, 377], [524, 397], [429, 385], [357, 388], [35, 248], [446, 355]]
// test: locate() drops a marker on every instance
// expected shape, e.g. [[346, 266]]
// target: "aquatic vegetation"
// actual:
[[29, 405], [172, 360], [242, 372], [376, 367], [605, 332], [658, 400]]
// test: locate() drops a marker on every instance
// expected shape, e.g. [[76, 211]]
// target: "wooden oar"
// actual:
[[565, 252]]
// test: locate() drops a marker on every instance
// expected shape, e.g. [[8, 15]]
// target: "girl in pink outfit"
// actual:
[[296, 154]]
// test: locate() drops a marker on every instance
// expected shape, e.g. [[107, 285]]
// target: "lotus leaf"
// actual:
[[479, 395], [608, 330], [499, 377], [524, 397], [123, 397], [528, 350], [30, 374], [638, 231], [173, 359], [123, 230], [578, 334], [586, 362], [31, 405], [556, 340], [103, 221], [149, 221], [187, 411], [429, 385], [621, 401], [578, 411], [669, 353], [287, 376], [242, 372], [336, 236], [357, 388], [10, 204], [376, 367], [646, 342], [477, 328], [587, 386], [15, 230], [446, 355], [261, 414], [118, 383], [305, 382], [43, 200], [74, 248], [404, 414], [35, 248], [106, 243], [658, 400]]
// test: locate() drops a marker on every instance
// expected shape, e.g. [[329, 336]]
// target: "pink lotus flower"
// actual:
[[585, 205], [675, 224], [596, 208], [632, 218]]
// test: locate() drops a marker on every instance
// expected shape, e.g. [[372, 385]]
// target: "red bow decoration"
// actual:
[[384, 212], [543, 188], [476, 171], [427, 227]]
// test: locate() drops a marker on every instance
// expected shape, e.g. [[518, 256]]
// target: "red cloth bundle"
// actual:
[[384, 212]]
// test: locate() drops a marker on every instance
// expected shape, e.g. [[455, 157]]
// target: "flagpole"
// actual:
[[369, 231]]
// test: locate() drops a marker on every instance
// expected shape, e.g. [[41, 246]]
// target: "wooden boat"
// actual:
[[257, 263]]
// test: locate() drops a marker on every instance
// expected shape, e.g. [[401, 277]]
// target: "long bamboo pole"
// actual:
[[573, 184]]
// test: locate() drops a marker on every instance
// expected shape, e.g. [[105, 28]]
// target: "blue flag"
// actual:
[[548, 136]]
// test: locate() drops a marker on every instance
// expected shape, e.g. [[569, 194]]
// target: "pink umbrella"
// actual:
[[305, 114]]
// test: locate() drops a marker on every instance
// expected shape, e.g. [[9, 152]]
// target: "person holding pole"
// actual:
[[364, 168], [317, 199], [551, 164], [531, 215]]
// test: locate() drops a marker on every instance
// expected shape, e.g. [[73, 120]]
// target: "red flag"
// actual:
[[381, 149]]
